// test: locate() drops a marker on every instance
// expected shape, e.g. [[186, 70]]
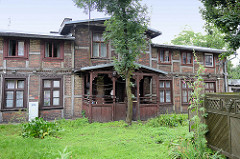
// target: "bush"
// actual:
[[38, 128], [169, 120]]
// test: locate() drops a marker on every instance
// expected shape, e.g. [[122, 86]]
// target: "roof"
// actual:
[[234, 82], [190, 48], [34, 35], [66, 27], [88, 68]]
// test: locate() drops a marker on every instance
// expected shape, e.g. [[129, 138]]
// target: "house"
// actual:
[[70, 74], [233, 85]]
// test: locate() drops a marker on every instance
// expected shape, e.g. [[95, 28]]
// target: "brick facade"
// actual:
[[78, 54], [34, 69]]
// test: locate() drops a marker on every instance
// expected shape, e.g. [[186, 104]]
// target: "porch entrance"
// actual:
[[105, 99]]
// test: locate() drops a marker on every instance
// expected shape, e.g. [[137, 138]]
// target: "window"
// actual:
[[187, 58], [165, 88], [15, 48], [210, 87], [186, 92], [53, 50], [14, 94], [99, 48], [209, 60], [52, 93], [165, 56]]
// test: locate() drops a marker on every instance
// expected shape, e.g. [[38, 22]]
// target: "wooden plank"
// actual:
[[218, 134], [235, 136], [120, 111]]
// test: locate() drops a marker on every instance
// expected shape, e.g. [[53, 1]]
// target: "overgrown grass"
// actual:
[[79, 139]]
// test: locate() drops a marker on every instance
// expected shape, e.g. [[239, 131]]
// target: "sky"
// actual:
[[168, 16]]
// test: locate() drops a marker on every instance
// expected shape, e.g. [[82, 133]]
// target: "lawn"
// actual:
[[97, 140]]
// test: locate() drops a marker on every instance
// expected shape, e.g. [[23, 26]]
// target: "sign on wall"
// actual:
[[33, 110]]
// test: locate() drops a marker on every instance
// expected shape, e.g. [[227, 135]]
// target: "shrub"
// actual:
[[169, 120], [39, 128]]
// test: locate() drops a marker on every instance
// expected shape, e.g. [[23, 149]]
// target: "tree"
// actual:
[[126, 30], [213, 39], [233, 72], [224, 14]]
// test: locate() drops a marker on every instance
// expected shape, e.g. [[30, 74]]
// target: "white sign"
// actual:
[[33, 110]]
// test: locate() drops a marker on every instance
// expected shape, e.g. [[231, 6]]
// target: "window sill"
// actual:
[[209, 66], [165, 63], [187, 65], [52, 59], [15, 58], [50, 108], [185, 104], [100, 58], [13, 109], [165, 104]]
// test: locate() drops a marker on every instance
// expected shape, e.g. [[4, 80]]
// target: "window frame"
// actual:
[[213, 60], [170, 57], [187, 89], [60, 106], [6, 48], [107, 47], [165, 89], [5, 89], [43, 50], [214, 89], [186, 64]]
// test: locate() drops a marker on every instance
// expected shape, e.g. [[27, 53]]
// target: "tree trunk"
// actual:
[[129, 100]]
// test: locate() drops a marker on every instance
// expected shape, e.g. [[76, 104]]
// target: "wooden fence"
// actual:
[[223, 122]]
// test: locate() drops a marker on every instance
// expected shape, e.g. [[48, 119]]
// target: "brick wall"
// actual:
[[177, 72], [34, 69]]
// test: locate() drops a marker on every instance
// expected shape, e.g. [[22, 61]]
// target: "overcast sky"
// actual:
[[168, 16]]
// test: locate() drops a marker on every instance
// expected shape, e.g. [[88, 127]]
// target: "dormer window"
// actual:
[[16, 49], [99, 48]]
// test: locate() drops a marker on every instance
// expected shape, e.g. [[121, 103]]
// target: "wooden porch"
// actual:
[[104, 96]]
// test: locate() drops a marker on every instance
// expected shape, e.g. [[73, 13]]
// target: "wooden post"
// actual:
[[158, 93], [138, 100], [90, 95], [114, 98]]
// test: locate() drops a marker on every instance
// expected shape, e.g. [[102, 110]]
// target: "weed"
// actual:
[[194, 146], [169, 120], [64, 154], [38, 128]]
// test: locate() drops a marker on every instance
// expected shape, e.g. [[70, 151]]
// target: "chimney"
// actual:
[[65, 20]]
